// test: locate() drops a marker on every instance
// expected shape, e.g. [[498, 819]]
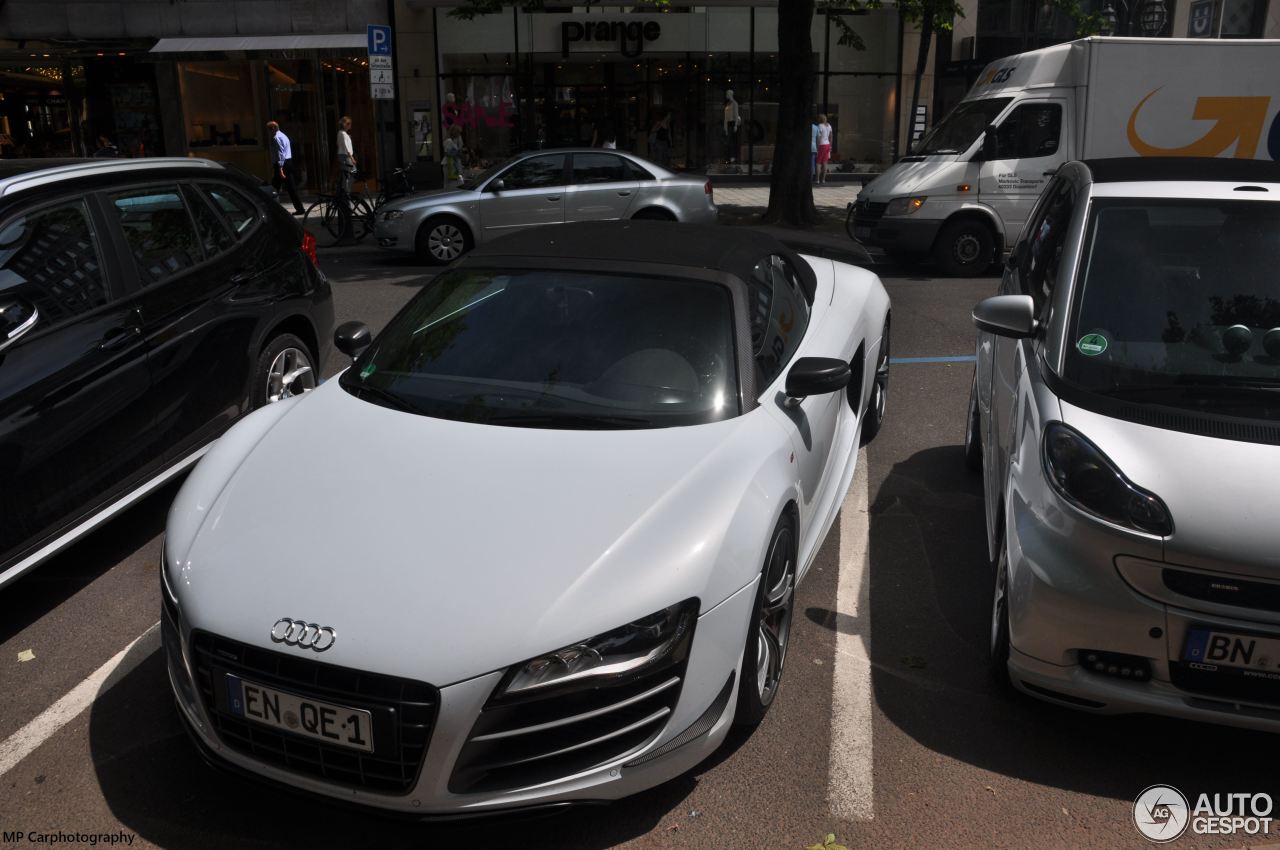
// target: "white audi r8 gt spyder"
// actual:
[[539, 544]]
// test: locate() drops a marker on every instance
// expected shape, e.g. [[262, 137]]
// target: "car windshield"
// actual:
[[962, 126], [554, 349], [476, 181], [1179, 304]]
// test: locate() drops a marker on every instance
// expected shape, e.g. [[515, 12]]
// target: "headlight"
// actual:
[[648, 642], [905, 206], [392, 215], [1084, 476]]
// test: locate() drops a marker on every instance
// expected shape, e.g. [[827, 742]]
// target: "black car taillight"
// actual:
[[309, 247], [707, 188]]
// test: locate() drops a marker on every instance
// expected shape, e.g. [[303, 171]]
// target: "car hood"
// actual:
[[442, 550], [1219, 492], [906, 178], [433, 198]]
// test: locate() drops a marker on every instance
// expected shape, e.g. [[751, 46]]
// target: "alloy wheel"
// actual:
[[445, 242], [1000, 606], [773, 628], [290, 374]]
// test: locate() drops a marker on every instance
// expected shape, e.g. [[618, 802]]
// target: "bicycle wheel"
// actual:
[[337, 219], [362, 219], [314, 216]]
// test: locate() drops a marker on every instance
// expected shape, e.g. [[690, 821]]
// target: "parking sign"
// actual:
[[379, 40]]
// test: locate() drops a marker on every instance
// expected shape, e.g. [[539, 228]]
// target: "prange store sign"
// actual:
[[625, 36]]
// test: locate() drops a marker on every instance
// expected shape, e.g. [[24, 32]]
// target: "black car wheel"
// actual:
[[285, 369], [440, 241], [653, 214], [769, 631], [973, 429], [873, 417], [964, 247], [998, 658]]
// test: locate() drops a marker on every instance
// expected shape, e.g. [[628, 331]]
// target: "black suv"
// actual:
[[145, 305]]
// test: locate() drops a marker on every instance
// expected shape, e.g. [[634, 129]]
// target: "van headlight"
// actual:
[[630, 650], [905, 206], [1085, 477]]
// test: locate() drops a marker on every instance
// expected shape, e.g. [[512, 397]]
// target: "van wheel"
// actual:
[[964, 247]]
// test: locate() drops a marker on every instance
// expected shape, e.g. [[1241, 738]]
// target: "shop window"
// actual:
[[598, 168], [1030, 131], [50, 258], [219, 101], [537, 172], [159, 233]]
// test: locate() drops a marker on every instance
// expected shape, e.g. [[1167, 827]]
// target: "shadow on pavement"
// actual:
[[929, 568], [157, 785]]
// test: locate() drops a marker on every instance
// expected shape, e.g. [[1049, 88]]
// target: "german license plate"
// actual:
[[320, 721], [861, 233], [1230, 652]]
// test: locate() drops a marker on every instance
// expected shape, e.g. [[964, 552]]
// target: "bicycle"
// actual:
[[391, 187], [336, 217]]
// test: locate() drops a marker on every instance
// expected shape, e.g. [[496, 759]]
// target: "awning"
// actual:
[[261, 43]]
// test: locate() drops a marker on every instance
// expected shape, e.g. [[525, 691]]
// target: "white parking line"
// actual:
[[21, 743], [850, 792]]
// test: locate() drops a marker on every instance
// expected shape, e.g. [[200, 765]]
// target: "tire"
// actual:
[[442, 240], [849, 225], [315, 216], [873, 416], [336, 217], [285, 368], [653, 214], [362, 219], [973, 429], [769, 630], [998, 648], [964, 247]]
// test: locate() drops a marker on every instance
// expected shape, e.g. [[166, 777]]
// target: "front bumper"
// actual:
[[1068, 597], [702, 708], [396, 235], [900, 234]]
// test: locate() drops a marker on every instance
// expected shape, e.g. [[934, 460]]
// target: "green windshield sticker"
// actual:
[[368, 370], [1091, 345]]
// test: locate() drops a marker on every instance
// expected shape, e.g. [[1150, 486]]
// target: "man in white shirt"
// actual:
[[282, 159], [346, 156]]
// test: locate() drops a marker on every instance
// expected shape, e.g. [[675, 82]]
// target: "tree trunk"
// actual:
[[922, 62], [790, 193]]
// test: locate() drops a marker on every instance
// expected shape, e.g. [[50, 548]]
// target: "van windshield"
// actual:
[[962, 126], [1179, 305]]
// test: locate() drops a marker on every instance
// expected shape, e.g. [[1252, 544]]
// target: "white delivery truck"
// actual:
[[965, 191]]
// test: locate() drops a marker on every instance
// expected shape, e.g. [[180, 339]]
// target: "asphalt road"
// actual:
[[887, 731]]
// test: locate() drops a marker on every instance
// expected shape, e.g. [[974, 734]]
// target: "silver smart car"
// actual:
[[1125, 413], [540, 188]]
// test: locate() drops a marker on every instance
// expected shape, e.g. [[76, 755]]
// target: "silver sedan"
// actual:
[[540, 188]]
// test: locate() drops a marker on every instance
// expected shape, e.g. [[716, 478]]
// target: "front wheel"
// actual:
[[769, 631], [998, 654], [873, 418], [284, 370], [964, 247], [973, 429], [441, 241]]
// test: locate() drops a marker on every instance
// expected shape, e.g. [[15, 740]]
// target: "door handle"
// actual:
[[117, 338], [241, 276], [553, 198], [624, 194]]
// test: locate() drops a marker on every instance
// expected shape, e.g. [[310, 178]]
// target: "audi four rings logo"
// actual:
[[303, 635]]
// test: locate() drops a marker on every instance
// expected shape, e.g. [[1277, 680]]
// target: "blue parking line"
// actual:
[[955, 358]]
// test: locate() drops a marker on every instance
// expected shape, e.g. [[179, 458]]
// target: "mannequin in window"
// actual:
[[732, 124]]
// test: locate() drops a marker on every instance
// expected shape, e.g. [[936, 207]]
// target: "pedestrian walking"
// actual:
[[453, 154], [824, 147], [346, 157], [106, 149], [660, 141], [282, 154], [813, 151]]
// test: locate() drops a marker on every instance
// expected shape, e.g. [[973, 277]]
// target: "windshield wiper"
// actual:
[[568, 420], [1224, 386], [389, 397]]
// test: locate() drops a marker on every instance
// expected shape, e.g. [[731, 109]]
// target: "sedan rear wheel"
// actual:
[[770, 628]]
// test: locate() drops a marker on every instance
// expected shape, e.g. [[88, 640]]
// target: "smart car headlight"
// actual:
[[622, 652], [392, 215], [1084, 476], [905, 206]]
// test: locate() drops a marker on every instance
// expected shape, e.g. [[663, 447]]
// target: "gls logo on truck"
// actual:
[[1238, 121], [996, 76]]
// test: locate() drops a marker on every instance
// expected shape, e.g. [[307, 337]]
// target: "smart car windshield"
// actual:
[[553, 349], [962, 126], [1179, 304]]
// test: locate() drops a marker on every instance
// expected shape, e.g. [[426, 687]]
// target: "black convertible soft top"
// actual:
[[733, 250]]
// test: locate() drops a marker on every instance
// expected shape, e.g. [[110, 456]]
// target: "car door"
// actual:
[[73, 381], [186, 266], [1033, 272], [600, 188], [1028, 149], [528, 194]]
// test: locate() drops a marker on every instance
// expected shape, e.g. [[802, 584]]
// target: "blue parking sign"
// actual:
[[379, 40]]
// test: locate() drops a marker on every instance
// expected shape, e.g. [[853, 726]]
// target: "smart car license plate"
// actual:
[[861, 233], [321, 721], [1253, 655]]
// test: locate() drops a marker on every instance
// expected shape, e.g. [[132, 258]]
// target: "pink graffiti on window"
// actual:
[[467, 115]]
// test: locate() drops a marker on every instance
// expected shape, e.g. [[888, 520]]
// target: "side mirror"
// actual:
[[1013, 316], [497, 185], [816, 376], [17, 316], [990, 147], [352, 338]]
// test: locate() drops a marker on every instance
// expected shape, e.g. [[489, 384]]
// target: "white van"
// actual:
[[967, 188]]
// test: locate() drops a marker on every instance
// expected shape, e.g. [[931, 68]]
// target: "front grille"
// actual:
[[866, 213], [404, 712], [541, 739], [1224, 590]]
